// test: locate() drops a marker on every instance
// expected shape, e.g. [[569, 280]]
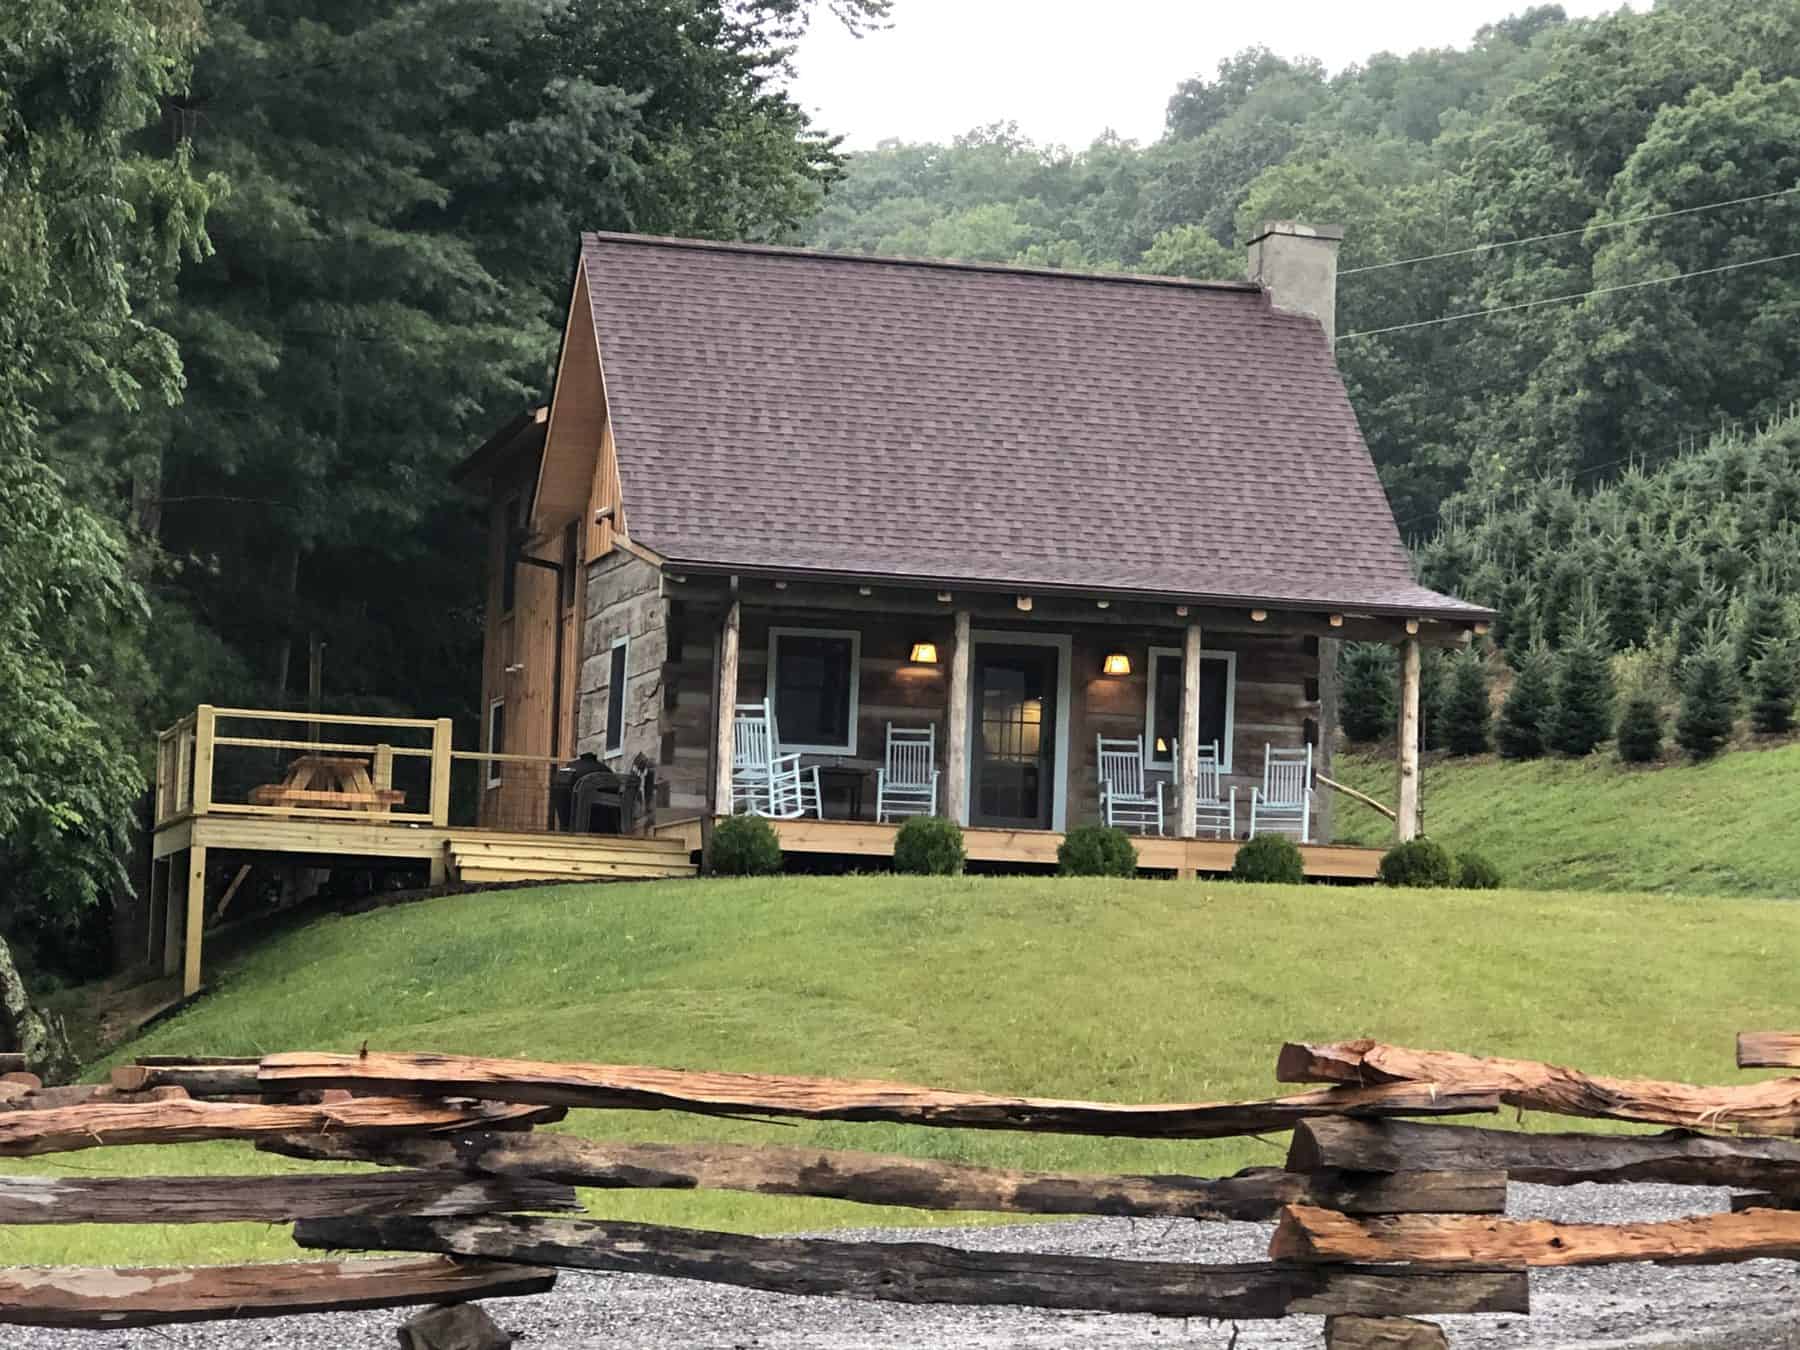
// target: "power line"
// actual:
[[1558, 299], [1564, 234]]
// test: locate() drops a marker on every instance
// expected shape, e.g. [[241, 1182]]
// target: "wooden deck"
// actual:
[[862, 838]]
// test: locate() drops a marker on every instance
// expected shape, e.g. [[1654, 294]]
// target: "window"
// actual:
[[1218, 695], [570, 561], [509, 554], [812, 679], [496, 739], [615, 695]]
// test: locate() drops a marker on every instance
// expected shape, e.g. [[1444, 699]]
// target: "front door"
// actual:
[[1014, 741]]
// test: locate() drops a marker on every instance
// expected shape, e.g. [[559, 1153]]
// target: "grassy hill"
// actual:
[[1136, 991], [1725, 827]]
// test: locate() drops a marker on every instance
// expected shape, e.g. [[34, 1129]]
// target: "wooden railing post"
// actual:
[[726, 707], [441, 733], [1406, 806], [205, 724], [956, 751]]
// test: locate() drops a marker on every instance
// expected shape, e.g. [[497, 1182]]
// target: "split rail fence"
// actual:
[[1382, 1217]]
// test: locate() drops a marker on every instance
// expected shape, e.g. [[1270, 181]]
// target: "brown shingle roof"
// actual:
[[865, 417]]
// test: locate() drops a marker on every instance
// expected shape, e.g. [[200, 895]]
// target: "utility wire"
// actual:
[[1558, 299], [1564, 234]]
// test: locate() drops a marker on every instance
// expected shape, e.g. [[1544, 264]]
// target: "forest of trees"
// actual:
[[267, 270]]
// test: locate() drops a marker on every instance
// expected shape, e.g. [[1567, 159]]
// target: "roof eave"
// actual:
[[1460, 613]]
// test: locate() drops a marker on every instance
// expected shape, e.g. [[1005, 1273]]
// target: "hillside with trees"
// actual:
[[267, 271]]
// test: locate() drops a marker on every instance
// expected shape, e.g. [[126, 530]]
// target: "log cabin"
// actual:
[[1024, 508]]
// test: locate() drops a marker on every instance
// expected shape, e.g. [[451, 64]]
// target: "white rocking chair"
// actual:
[[1126, 799], [1215, 808], [765, 782], [907, 783], [1283, 804]]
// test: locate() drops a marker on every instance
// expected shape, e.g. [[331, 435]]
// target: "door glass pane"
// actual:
[[1015, 740]]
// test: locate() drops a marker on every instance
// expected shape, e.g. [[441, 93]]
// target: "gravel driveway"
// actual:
[[1753, 1306]]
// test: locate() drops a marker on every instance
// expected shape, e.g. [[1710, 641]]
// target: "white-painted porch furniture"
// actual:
[[907, 782], [765, 782], [1283, 804], [1215, 806], [1127, 798]]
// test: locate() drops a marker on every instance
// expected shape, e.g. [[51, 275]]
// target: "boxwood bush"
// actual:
[[1096, 851], [1418, 862], [744, 846], [1270, 858], [1476, 873], [929, 846]]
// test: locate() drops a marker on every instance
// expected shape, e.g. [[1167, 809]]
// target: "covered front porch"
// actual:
[[1016, 693]]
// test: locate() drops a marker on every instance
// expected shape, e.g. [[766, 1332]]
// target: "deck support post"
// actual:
[[1189, 768], [1406, 810], [171, 914], [956, 745], [196, 920], [725, 705]]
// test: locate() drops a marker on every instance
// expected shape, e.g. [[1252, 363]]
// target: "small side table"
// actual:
[[849, 779]]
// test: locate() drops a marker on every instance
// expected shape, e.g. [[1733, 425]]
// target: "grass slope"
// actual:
[[1719, 828], [1132, 991]]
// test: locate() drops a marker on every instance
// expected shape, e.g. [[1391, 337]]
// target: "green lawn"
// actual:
[[1149, 990], [1721, 828]]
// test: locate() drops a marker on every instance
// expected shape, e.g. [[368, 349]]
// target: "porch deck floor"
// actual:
[[865, 838]]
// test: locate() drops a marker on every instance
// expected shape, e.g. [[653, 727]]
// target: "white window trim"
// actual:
[[1161, 654], [625, 680], [493, 767], [1059, 774], [788, 747]]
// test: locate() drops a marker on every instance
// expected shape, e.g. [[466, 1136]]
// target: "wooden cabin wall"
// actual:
[[1272, 703], [624, 600]]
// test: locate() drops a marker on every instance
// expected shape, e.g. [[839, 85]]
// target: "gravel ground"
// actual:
[[1752, 1306]]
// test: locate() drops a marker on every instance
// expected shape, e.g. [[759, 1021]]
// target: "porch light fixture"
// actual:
[[924, 653], [1116, 663]]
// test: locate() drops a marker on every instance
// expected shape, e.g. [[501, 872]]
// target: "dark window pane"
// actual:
[[812, 689], [1215, 689], [615, 700]]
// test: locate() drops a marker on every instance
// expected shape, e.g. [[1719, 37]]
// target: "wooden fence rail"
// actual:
[[1381, 1216]]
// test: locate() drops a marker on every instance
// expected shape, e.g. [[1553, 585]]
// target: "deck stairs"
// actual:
[[491, 855]]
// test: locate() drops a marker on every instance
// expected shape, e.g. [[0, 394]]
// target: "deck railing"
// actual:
[[340, 766]]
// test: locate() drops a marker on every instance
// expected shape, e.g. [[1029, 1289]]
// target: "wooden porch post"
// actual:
[[725, 706], [1190, 731], [956, 750], [1406, 815]]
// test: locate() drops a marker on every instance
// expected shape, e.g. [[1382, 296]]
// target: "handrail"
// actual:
[[336, 719], [348, 747], [496, 757], [1351, 792]]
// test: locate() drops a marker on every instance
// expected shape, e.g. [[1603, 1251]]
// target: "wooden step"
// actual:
[[479, 838], [525, 869], [566, 853]]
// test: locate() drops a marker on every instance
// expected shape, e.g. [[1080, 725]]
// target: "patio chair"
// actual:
[[1126, 798], [907, 782], [765, 782], [1283, 804], [1215, 807]]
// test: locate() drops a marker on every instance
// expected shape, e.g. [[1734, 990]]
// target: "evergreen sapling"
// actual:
[[1708, 701], [1527, 708], [1468, 715], [1581, 697]]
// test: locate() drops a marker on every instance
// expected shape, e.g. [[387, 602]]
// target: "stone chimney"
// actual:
[[1297, 265]]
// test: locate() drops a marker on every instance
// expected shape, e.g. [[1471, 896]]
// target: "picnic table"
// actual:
[[344, 782]]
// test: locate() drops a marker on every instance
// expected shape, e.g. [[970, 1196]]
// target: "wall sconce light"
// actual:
[[924, 653], [1116, 663]]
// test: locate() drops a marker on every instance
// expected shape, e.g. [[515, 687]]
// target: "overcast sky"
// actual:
[[1067, 70]]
